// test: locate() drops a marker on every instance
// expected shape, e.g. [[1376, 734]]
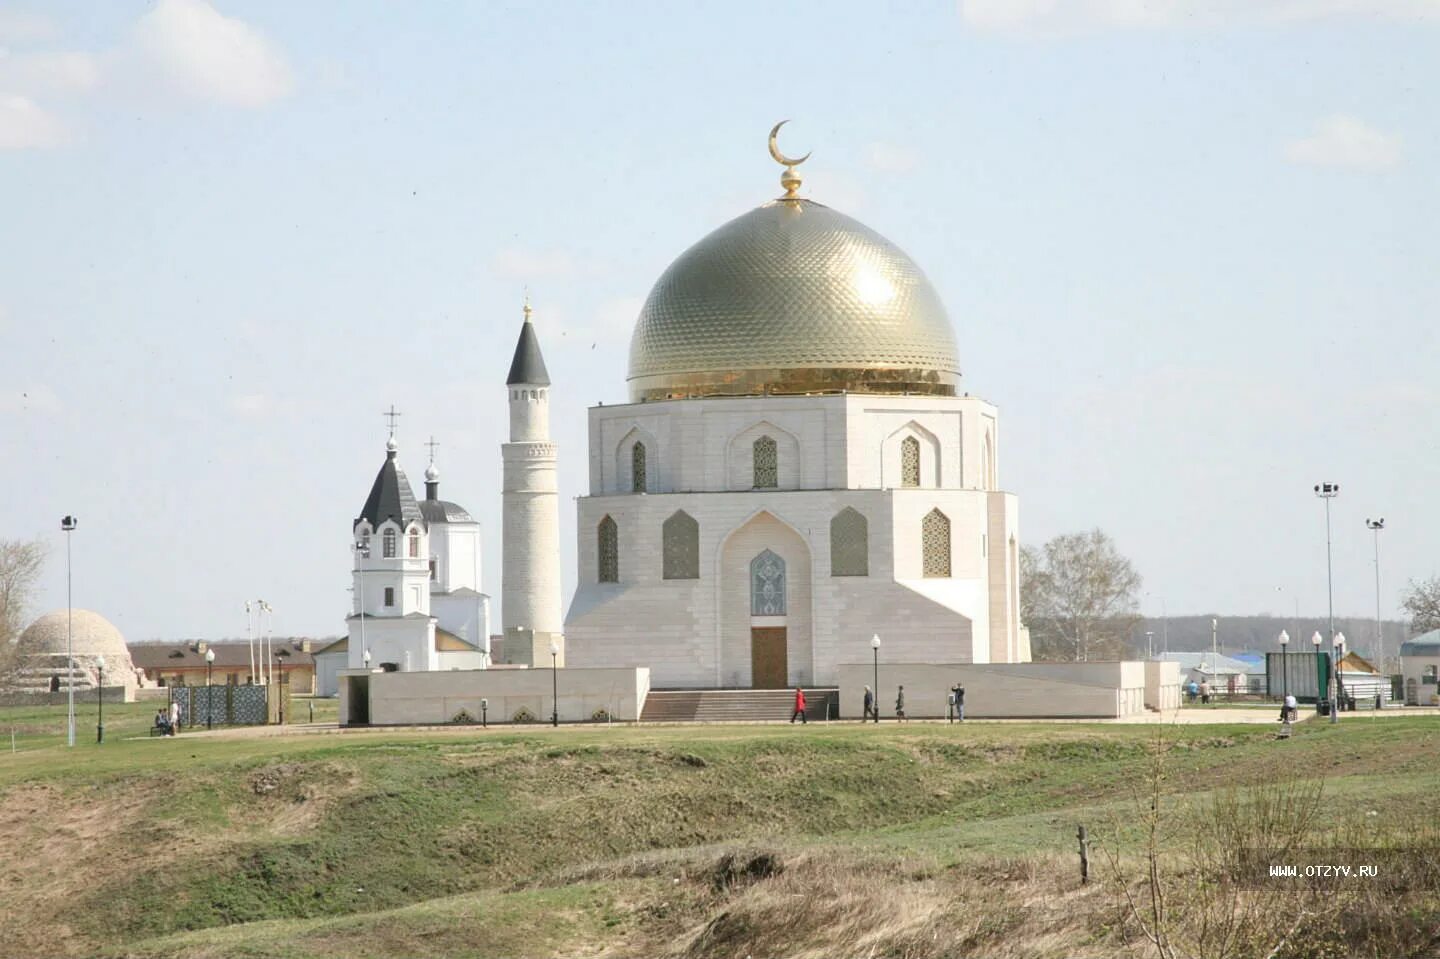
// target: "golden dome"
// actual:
[[792, 297]]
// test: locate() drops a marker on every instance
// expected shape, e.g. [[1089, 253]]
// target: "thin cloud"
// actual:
[[25, 125], [891, 158], [17, 26], [1348, 143], [204, 55], [1071, 16], [63, 72]]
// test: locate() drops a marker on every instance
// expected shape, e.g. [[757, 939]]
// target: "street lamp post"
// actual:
[[279, 689], [1337, 653], [68, 524], [1284, 668], [1375, 526], [209, 689], [100, 700], [1327, 492], [554, 683], [875, 648], [1149, 644], [484, 709], [362, 551], [1320, 694]]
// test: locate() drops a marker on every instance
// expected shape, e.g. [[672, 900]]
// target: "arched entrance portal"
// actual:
[[765, 640]]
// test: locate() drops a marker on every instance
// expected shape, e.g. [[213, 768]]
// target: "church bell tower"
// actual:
[[530, 569]]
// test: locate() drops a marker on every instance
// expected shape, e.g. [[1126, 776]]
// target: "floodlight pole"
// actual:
[[68, 524], [1375, 526], [1327, 492]]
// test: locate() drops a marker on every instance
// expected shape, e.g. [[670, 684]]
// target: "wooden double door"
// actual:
[[769, 667]]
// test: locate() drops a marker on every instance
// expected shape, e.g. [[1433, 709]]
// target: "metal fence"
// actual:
[[222, 705]]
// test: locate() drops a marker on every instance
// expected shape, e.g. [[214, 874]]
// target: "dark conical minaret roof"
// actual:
[[528, 366], [391, 496]]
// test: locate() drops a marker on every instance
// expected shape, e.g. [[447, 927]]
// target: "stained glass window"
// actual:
[[681, 547], [637, 468], [935, 542], [849, 544], [909, 461], [767, 585], [609, 551], [767, 464]]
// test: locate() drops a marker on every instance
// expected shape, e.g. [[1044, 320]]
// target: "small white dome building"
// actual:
[[91, 636]]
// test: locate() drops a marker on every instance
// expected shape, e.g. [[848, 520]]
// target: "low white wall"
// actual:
[[1001, 690], [436, 697]]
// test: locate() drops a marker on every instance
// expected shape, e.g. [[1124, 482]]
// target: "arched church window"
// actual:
[[909, 462], [767, 585], [680, 538], [935, 543], [414, 544], [609, 546], [987, 464], [637, 468], [767, 463], [849, 544], [388, 544]]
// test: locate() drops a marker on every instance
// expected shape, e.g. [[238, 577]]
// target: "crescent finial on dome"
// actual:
[[790, 180]]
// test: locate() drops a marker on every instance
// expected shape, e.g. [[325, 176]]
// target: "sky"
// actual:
[[1188, 249]]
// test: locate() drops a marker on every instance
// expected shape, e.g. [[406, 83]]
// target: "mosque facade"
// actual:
[[796, 471]]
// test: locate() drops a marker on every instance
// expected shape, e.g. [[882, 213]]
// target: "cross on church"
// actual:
[[392, 416], [433, 446]]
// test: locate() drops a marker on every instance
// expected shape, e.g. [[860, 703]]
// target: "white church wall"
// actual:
[[456, 549], [466, 614], [408, 642]]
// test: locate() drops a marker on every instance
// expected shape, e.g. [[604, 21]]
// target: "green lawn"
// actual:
[[455, 841]]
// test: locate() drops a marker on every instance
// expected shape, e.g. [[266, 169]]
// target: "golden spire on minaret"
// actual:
[[790, 180]]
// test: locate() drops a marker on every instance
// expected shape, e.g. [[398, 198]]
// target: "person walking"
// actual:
[[959, 693], [799, 707], [1205, 693], [900, 704], [950, 704], [174, 716], [870, 710]]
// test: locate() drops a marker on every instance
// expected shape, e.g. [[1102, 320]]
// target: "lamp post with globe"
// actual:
[[209, 689], [554, 683], [875, 648], [1321, 686], [1337, 653], [1284, 671], [100, 699]]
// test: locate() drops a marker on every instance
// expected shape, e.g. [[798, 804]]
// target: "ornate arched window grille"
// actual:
[[680, 545], [909, 462], [609, 548], [849, 544], [767, 585], [637, 468], [767, 463], [935, 543]]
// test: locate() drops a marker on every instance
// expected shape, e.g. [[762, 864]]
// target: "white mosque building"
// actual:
[[796, 471]]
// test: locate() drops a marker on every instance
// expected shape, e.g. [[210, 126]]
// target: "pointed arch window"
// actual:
[[767, 585], [387, 543], [638, 479], [609, 551], [680, 544], [935, 544], [849, 544], [909, 462], [767, 463], [414, 551]]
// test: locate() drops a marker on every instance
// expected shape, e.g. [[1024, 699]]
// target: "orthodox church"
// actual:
[[796, 471], [416, 598]]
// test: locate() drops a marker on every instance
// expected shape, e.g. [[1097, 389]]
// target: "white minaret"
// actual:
[[530, 568]]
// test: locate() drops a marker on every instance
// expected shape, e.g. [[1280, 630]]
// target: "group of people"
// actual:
[[168, 722], [954, 699], [1201, 689]]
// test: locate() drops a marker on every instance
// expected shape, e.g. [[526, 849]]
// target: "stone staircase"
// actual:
[[733, 705]]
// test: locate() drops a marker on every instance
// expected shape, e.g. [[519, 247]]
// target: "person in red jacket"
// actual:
[[799, 706]]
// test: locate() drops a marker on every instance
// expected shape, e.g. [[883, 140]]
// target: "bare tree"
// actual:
[[1078, 595], [1422, 601], [20, 565]]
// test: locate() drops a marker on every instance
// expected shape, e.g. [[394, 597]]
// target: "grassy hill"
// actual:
[[920, 841]]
